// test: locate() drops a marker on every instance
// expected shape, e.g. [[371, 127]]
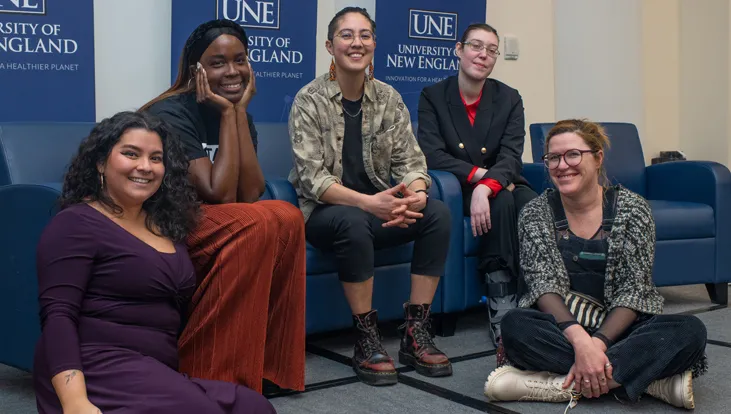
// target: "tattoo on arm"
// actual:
[[70, 376]]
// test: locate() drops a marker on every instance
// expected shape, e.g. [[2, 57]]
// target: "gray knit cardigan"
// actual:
[[628, 282]]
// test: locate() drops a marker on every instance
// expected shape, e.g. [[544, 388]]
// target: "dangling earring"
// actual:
[[332, 70], [101, 181], [370, 71]]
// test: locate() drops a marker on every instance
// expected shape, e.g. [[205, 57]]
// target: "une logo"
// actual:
[[23, 6], [261, 14], [425, 24]]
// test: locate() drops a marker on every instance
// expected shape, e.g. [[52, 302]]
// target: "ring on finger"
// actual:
[[587, 381]]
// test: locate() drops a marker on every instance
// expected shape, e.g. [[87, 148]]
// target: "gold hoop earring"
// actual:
[[332, 70], [370, 71]]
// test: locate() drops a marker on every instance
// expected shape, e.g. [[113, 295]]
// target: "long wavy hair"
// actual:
[[195, 46], [171, 212]]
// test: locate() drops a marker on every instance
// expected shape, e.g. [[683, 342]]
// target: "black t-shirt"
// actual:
[[196, 125], [354, 174]]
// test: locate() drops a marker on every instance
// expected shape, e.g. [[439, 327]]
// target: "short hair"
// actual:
[[478, 26], [339, 16]]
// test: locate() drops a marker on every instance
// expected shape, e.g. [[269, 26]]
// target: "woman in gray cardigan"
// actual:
[[591, 320]]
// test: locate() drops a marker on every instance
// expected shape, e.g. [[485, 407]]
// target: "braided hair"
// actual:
[[195, 46]]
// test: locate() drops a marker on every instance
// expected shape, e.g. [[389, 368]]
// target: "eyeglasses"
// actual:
[[478, 46], [572, 157], [366, 37]]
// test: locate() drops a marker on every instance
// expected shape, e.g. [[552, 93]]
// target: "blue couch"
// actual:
[[33, 160], [691, 205]]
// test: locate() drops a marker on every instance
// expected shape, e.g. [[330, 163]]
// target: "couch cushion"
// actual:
[[682, 220], [33, 153], [471, 244], [319, 262]]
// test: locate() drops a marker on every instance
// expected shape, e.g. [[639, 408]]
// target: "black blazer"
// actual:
[[495, 142]]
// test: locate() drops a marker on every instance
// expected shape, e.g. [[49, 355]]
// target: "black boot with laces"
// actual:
[[371, 362], [417, 347]]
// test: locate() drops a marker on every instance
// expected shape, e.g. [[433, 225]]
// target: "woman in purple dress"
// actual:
[[114, 277]]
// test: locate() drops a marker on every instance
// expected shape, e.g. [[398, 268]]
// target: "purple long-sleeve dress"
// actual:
[[111, 308]]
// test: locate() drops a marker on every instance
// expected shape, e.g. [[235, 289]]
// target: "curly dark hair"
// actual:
[[171, 212]]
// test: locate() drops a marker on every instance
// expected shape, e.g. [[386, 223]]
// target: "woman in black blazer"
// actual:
[[474, 127]]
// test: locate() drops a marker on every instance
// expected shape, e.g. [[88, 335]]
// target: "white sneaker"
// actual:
[[676, 390]]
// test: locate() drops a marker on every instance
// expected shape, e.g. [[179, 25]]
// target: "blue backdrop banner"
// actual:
[[281, 36], [47, 61], [415, 42]]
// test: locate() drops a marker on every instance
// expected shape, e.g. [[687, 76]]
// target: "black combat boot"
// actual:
[[371, 362], [417, 347]]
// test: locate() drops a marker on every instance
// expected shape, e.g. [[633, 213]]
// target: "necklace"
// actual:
[[351, 115]]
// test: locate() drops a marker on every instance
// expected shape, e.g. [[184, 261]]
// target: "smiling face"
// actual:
[[576, 172], [134, 170], [353, 43], [478, 64], [227, 69]]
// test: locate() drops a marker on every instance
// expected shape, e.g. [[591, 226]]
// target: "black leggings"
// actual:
[[652, 348], [353, 235]]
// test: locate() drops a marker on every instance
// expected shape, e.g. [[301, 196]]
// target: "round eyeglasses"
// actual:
[[366, 37], [572, 158]]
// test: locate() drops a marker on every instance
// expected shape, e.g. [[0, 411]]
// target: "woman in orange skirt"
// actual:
[[247, 318]]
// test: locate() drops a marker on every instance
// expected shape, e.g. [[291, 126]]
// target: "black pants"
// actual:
[[652, 348], [353, 235], [499, 247]]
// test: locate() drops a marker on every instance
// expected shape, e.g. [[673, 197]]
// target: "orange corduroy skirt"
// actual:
[[247, 316]]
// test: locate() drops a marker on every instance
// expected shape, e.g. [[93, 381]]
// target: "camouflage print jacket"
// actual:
[[316, 129]]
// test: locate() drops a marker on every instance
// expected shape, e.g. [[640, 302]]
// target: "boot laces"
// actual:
[[546, 391], [420, 331], [371, 339]]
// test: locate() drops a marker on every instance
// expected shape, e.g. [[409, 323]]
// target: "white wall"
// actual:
[[132, 53], [533, 73], [704, 79], [661, 76], [598, 60]]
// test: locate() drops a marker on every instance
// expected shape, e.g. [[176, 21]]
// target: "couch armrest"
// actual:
[[446, 187], [25, 210], [704, 182], [537, 176], [280, 189]]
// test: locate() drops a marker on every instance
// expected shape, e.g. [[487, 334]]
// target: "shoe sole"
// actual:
[[375, 378], [428, 370], [689, 401]]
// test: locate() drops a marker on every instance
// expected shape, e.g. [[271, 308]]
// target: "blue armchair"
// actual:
[[33, 160], [327, 308], [691, 205]]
